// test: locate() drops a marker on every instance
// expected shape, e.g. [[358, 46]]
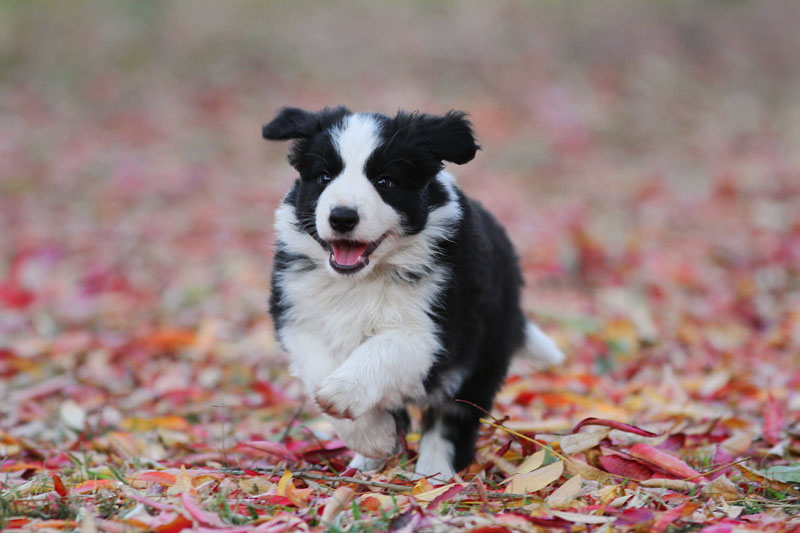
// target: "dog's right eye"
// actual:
[[323, 179]]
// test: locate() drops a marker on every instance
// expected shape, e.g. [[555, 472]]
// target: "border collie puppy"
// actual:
[[391, 287]]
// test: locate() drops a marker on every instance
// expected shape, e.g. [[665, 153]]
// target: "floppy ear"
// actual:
[[296, 123], [449, 136]]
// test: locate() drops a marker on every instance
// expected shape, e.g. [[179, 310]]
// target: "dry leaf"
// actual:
[[588, 437], [531, 463], [338, 501], [722, 486], [566, 492], [536, 480]]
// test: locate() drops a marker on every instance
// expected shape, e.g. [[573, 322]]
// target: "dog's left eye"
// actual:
[[323, 179], [385, 182]]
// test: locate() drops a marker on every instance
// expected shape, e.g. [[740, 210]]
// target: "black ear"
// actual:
[[453, 134], [448, 137], [296, 123]]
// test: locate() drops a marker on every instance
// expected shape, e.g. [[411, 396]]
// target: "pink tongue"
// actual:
[[348, 253]]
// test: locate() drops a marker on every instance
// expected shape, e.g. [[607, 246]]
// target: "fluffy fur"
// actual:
[[390, 286]]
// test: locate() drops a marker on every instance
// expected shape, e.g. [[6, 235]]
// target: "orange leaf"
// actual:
[[54, 524], [91, 486], [59, 486], [156, 476], [170, 339]]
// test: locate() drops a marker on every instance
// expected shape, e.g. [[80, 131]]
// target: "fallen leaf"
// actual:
[[338, 501], [536, 480], [531, 463], [669, 463], [566, 492], [613, 424], [584, 440], [721, 486]]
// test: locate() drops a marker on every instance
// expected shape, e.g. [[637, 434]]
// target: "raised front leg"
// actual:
[[373, 435], [385, 372]]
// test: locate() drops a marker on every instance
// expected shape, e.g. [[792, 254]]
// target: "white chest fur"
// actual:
[[328, 319]]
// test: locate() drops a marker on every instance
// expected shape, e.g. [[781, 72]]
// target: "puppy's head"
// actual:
[[364, 177]]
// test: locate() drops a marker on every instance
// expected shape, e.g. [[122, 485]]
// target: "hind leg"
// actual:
[[448, 440]]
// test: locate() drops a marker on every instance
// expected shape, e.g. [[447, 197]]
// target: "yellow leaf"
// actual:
[[536, 480], [671, 484], [430, 495], [423, 485], [285, 481], [566, 492], [531, 463], [182, 483]]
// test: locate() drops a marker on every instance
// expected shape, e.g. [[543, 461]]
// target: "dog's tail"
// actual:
[[540, 349]]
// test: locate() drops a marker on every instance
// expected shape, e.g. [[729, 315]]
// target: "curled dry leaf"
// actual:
[[338, 501], [587, 438], [668, 462], [613, 424], [671, 484]]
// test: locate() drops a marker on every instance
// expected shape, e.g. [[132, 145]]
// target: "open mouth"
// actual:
[[348, 257]]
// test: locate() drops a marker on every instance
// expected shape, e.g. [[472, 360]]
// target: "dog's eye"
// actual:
[[385, 182], [323, 179]]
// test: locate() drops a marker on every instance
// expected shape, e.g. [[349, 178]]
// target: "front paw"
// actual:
[[342, 397]]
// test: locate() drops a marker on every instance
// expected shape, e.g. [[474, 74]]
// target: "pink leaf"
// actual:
[[663, 460], [721, 457], [773, 421], [446, 495], [274, 448], [615, 425], [619, 466], [199, 514]]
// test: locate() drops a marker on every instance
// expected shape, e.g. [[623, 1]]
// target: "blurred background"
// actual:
[[643, 156]]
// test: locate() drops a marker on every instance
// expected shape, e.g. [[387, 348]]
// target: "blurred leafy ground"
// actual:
[[642, 155]]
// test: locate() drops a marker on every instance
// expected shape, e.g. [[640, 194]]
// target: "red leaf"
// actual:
[[274, 499], [15, 297], [619, 466], [629, 517], [59, 486], [615, 425], [179, 524], [669, 463], [446, 495], [268, 446], [773, 421]]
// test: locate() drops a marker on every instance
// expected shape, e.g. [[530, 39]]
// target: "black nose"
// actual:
[[343, 219]]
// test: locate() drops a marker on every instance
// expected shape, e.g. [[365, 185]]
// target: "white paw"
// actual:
[[366, 464], [373, 435], [344, 397], [435, 457]]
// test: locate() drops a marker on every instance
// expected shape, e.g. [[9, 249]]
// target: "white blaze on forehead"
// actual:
[[355, 141]]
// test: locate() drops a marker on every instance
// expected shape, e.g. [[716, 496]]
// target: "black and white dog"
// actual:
[[391, 287]]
